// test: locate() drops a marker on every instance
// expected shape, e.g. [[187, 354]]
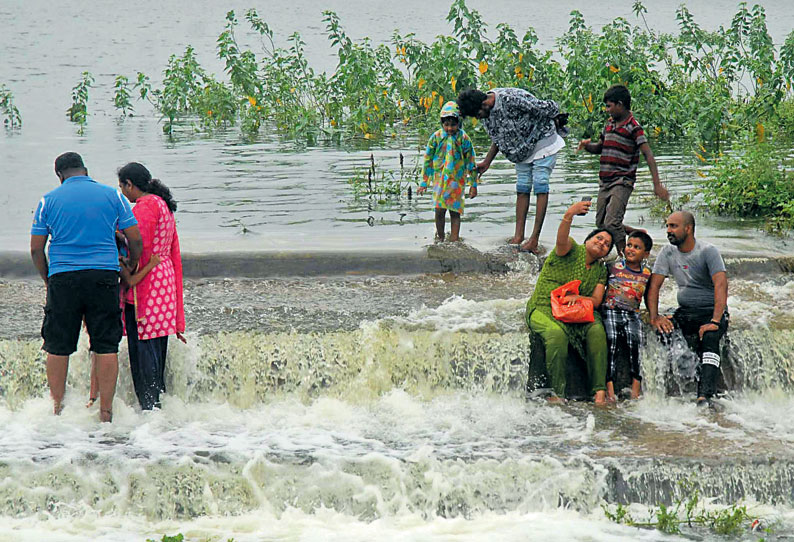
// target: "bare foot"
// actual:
[[555, 399], [600, 397], [57, 408], [530, 245], [515, 240], [636, 387], [105, 416], [91, 401], [611, 397]]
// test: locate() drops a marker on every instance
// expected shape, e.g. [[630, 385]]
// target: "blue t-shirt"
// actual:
[[81, 217]]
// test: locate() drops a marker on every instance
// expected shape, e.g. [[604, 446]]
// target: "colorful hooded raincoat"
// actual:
[[449, 161]]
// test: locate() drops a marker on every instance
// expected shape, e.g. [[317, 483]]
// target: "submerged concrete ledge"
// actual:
[[432, 259]]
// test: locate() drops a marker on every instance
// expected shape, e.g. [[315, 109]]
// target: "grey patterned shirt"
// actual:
[[518, 121]]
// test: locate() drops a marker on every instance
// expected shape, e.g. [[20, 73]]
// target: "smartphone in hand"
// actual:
[[585, 198]]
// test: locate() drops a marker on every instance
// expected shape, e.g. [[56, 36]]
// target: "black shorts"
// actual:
[[92, 294]]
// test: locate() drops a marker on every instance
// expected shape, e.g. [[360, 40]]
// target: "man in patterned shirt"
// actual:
[[620, 145], [530, 133]]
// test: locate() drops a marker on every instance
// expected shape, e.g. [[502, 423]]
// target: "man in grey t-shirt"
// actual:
[[699, 272]]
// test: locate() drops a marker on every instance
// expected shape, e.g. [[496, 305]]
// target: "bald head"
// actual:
[[687, 218], [680, 227]]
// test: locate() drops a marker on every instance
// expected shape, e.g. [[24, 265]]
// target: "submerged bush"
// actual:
[[702, 85], [752, 181], [10, 113]]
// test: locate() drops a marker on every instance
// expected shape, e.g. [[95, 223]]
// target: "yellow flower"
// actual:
[[588, 103], [701, 174], [614, 69], [375, 106], [421, 83], [760, 132], [531, 73], [700, 157], [474, 121], [520, 75], [788, 85], [520, 57], [367, 136], [333, 122], [278, 101], [657, 131], [483, 67], [385, 92], [702, 148], [252, 100], [433, 94], [760, 81], [440, 101], [720, 70], [454, 83], [491, 84], [406, 119], [209, 113], [402, 50], [394, 134], [292, 90]]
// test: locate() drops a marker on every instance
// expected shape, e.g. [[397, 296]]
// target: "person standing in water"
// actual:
[[80, 219], [620, 145], [449, 162], [153, 308], [529, 132]]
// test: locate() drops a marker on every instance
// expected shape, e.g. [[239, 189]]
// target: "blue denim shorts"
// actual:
[[534, 176]]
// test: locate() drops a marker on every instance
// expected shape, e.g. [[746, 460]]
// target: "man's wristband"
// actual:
[[716, 323]]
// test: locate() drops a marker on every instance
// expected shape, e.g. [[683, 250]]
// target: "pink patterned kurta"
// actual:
[[158, 297]]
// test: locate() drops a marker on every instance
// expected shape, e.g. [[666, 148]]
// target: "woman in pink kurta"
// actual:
[[153, 308]]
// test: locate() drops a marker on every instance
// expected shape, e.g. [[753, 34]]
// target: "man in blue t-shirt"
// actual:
[[702, 313], [80, 218]]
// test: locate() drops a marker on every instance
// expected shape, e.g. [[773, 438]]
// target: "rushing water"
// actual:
[[359, 407], [390, 407]]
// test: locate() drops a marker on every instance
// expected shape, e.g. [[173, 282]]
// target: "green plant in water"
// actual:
[[731, 520], [752, 181], [78, 112], [121, 95], [697, 84], [385, 184], [166, 538], [11, 117]]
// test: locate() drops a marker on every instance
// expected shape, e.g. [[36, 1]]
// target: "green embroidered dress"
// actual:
[[558, 270]]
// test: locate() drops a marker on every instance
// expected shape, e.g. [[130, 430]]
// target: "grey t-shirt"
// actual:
[[692, 272]]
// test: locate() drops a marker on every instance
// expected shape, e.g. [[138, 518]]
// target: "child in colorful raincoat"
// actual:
[[449, 162]]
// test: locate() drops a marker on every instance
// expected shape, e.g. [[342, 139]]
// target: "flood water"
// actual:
[[365, 406], [283, 196]]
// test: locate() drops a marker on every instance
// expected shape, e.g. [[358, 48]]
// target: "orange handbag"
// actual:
[[581, 312]]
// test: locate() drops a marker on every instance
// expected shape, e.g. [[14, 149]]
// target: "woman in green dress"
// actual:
[[572, 261]]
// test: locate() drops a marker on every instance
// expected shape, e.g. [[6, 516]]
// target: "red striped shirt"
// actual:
[[620, 151]]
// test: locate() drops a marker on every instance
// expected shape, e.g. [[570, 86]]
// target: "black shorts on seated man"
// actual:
[[80, 219], [699, 272]]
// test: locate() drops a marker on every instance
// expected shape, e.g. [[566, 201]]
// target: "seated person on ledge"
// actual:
[[572, 261], [702, 312]]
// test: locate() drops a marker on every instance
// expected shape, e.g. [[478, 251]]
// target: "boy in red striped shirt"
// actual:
[[620, 145]]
